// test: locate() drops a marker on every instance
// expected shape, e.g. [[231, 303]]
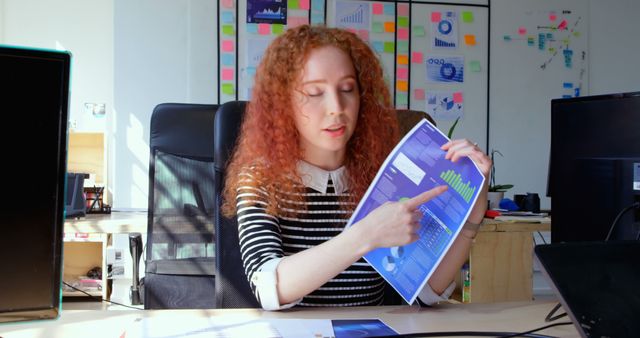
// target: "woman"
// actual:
[[318, 128]]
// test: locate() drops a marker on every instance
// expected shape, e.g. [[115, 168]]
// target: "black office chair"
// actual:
[[180, 263]]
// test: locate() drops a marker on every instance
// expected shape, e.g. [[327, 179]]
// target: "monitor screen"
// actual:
[[34, 105], [594, 172]]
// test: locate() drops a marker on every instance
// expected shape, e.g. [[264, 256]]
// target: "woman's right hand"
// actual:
[[395, 223]]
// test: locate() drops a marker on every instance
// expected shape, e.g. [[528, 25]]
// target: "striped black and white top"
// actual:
[[265, 238]]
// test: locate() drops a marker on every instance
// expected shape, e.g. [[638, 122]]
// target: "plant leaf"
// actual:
[[455, 123]]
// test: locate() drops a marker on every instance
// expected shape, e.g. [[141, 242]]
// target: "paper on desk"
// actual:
[[165, 326], [523, 219]]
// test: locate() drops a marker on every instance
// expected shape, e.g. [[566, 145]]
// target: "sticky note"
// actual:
[[277, 28], [227, 3], [378, 46], [293, 4], [227, 17], [251, 71], [474, 66], [402, 86], [264, 29], [304, 4], [470, 40], [457, 97], [227, 59], [403, 46], [403, 59], [318, 5], [378, 27], [403, 21], [403, 10], [227, 30], [563, 24], [363, 34], [418, 94], [389, 47], [227, 74], [403, 34], [377, 8], [552, 16], [402, 98], [416, 57], [297, 21], [227, 46], [389, 27], [402, 73], [227, 89], [418, 31], [522, 31], [252, 28], [389, 9], [436, 16], [467, 17]]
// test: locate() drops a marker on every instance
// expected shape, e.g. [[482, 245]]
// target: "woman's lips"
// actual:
[[335, 131]]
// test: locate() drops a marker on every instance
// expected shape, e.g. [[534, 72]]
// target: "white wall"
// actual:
[[82, 27], [165, 51]]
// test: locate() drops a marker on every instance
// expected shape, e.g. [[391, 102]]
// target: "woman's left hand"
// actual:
[[457, 149]]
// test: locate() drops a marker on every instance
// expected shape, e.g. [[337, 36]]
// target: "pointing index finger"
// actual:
[[425, 196]]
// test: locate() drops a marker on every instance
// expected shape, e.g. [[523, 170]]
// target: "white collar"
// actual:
[[317, 178]]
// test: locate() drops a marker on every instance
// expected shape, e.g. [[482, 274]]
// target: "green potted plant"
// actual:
[[496, 191]]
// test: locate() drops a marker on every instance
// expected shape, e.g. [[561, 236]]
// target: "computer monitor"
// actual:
[[34, 103], [594, 171]]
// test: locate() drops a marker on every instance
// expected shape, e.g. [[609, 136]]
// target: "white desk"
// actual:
[[516, 317]]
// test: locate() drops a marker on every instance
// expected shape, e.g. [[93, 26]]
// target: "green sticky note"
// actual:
[[378, 27], [227, 89], [293, 4], [403, 46], [402, 98], [403, 21], [277, 28], [474, 66], [227, 30], [389, 47], [418, 31], [467, 17]]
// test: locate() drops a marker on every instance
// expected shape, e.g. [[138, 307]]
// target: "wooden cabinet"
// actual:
[[82, 253]]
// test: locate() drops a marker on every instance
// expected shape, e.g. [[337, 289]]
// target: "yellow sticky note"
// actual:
[[470, 40], [403, 59], [402, 86], [389, 27]]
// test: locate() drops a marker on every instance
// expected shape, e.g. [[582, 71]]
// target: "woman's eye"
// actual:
[[314, 92], [347, 89]]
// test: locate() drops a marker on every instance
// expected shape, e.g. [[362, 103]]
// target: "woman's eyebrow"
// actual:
[[324, 80]]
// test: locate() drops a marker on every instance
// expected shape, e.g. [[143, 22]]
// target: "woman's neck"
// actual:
[[331, 161]]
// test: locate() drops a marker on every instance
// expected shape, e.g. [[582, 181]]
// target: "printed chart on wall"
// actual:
[[556, 41]]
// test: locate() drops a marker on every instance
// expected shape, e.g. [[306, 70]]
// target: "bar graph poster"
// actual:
[[353, 14], [444, 26], [267, 11]]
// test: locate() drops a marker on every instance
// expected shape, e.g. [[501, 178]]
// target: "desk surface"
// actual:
[[117, 222], [515, 317]]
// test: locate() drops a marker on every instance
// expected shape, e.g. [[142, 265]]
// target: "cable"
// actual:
[[479, 333], [550, 316], [99, 298], [634, 205], [542, 237]]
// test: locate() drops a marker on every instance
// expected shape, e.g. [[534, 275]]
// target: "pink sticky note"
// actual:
[[227, 46], [418, 94], [227, 3], [436, 16], [264, 29], [363, 34], [457, 97], [522, 31], [304, 4], [552, 16], [563, 24], [402, 73], [298, 21], [227, 74], [403, 34], [416, 57], [403, 10], [378, 9]]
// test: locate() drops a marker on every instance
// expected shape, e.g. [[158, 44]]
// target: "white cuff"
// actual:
[[429, 297], [266, 281]]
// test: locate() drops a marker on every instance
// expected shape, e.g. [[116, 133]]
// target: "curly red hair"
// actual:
[[269, 140]]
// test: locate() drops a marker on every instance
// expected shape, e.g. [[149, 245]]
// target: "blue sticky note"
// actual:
[[251, 71], [227, 59], [317, 5], [567, 85], [252, 28], [389, 9], [317, 18], [378, 46], [227, 17]]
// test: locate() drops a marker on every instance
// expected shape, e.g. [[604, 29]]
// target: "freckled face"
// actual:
[[326, 103]]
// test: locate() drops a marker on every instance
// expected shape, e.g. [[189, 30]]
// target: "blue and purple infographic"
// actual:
[[417, 164]]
